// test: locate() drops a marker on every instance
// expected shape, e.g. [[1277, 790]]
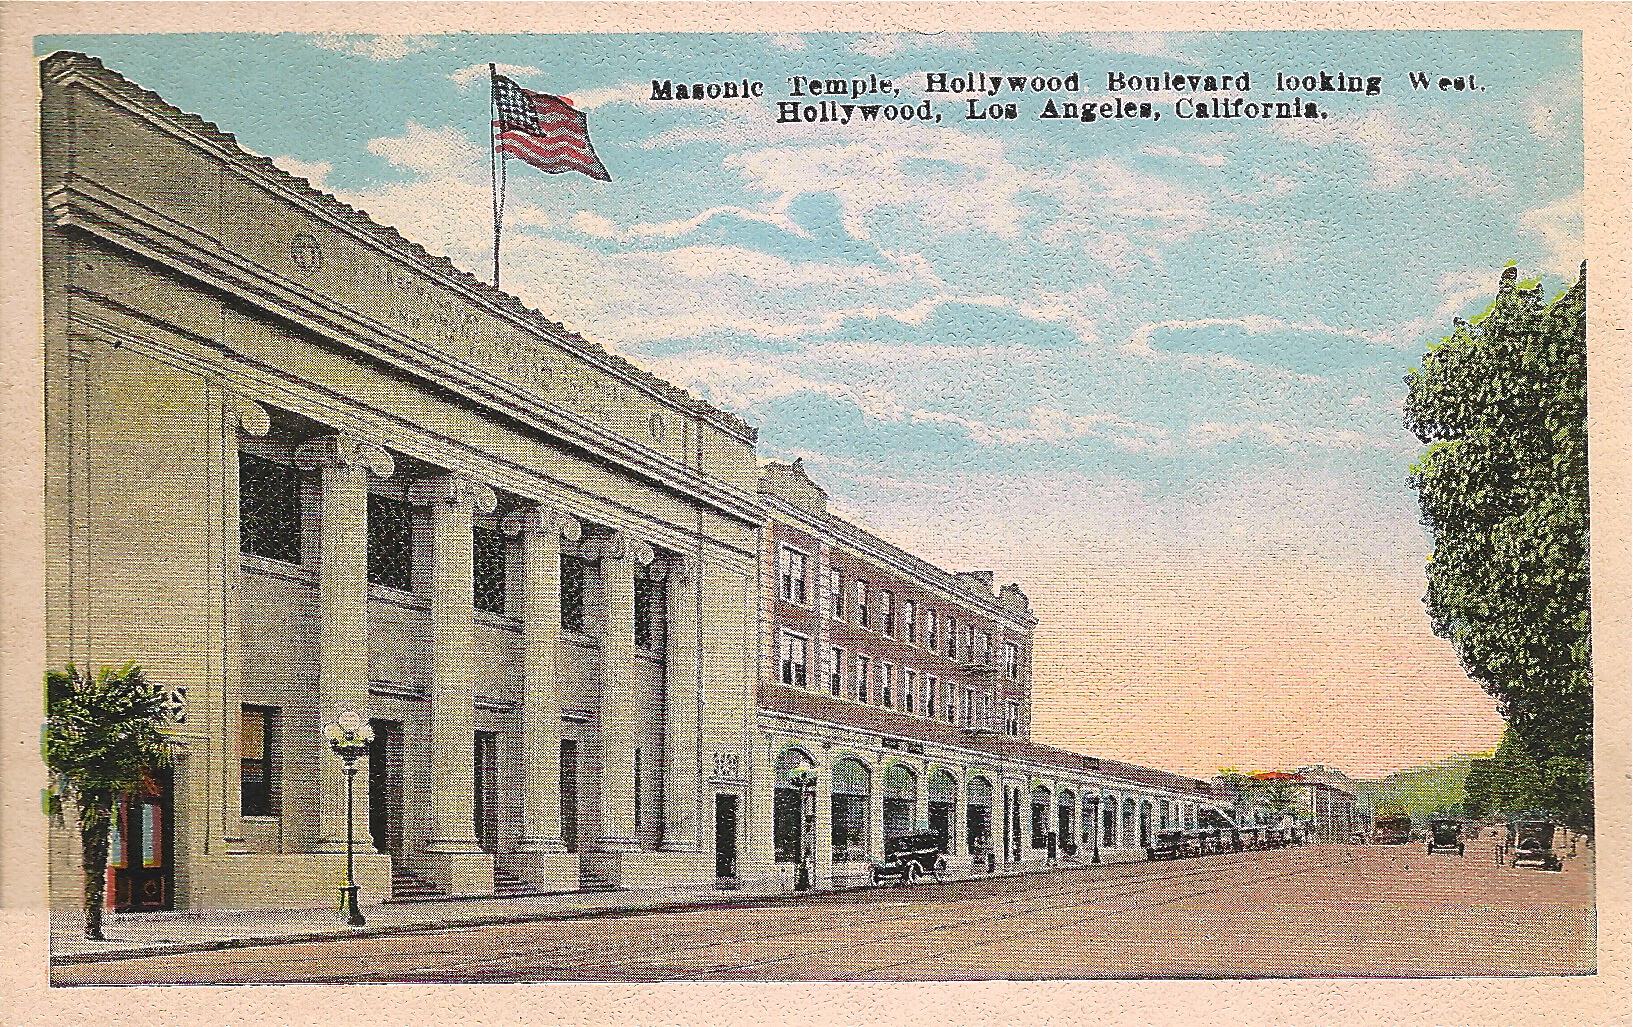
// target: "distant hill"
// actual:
[[1421, 791]]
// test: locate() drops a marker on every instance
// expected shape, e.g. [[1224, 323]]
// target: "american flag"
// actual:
[[543, 130]]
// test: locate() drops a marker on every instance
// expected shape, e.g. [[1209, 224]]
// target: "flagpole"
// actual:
[[493, 163]]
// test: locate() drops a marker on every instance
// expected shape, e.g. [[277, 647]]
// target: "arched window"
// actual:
[[850, 811], [1130, 812], [789, 830], [901, 800], [1087, 820], [1040, 817], [943, 800], [978, 814], [1145, 822]]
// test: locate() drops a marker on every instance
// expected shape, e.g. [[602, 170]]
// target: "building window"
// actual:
[[256, 728], [575, 575], [887, 683], [887, 613], [909, 692], [835, 671], [850, 812], [793, 576], [836, 594], [968, 648], [966, 706], [910, 617], [788, 818], [568, 792], [930, 687], [269, 509], [795, 653], [951, 703], [930, 629], [391, 543], [1040, 817], [864, 667], [651, 611], [952, 639], [1012, 661], [860, 607], [489, 550], [1012, 718], [984, 647]]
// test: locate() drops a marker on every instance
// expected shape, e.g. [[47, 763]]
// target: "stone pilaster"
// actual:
[[682, 670], [344, 464], [240, 417], [618, 556], [958, 843], [541, 530], [876, 811], [457, 861]]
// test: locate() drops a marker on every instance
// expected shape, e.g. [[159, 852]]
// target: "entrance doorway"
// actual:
[[725, 836], [386, 787], [140, 864], [485, 791]]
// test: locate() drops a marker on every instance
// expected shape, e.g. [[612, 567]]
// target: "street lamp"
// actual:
[[1094, 835], [805, 781], [349, 736]]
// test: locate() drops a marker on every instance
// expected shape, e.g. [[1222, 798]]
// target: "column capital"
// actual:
[[453, 489], [679, 568], [246, 415], [620, 545], [541, 520], [344, 452]]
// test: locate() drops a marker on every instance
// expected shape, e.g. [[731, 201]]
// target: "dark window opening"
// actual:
[[651, 613], [269, 509], [569, 794], [489, 550], [391, 543], [575, 574], [256, 728]]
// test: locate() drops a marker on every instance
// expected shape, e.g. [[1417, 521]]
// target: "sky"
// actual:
[[1150, 369]]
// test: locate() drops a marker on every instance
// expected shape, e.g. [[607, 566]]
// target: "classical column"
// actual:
[[344, 464], [618, 554], [824, 842], [921, 798], [681, 672], [957, 844], [876, 811], [240, 417], [541, 530], [452, 499]]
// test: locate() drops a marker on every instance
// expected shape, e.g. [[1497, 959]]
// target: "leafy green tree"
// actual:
[[1516, 779], [1477, 797], [1501, 404], [102, 739]]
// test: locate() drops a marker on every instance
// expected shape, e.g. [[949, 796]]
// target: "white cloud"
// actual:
[[479, 72], [1206, 159], [1143, 44], [1431, 147], [605, 228], [1560, 226], [1139, 343], [787, 41], [881, 45], [375, 48], [432, 151]]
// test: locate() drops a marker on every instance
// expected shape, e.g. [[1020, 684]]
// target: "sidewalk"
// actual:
[[132, 935]]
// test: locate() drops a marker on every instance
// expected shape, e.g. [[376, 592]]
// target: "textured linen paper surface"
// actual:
[[612, 405]]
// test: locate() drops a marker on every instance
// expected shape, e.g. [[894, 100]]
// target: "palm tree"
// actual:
[[102, 739]]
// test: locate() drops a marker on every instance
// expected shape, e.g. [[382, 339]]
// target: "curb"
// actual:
[[425, 927]]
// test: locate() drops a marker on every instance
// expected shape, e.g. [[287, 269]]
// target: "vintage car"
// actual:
[[1166, 845], [1252, 838], [1445, 836], [1192, 843], [1533, 844], [909, 857], [1396, 830]]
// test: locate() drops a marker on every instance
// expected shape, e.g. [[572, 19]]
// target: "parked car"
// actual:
[[1445, 836], [909, 857], [1166, 845], [1533, 844]]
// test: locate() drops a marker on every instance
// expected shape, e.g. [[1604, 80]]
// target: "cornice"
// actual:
[[68, 68]]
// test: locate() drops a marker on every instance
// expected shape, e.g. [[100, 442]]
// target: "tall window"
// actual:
[[850, 812], [968, 648], [910, 617], [864, 667], [1012, 718], [861, 605], [952, 639], [930, 629], [651, 611], [930, 687], [568, 791], [269, 509], [793, 576], [834, 671], [256, 727], [795, 655], [836, 594], [575, 574], [951, 701], [1012, 661], [909, 691], [887, 613], [391, 543], [488, 569], [984, 646], [887, 682]]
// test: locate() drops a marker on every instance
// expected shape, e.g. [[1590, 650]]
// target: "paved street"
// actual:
[[1306, 912]]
